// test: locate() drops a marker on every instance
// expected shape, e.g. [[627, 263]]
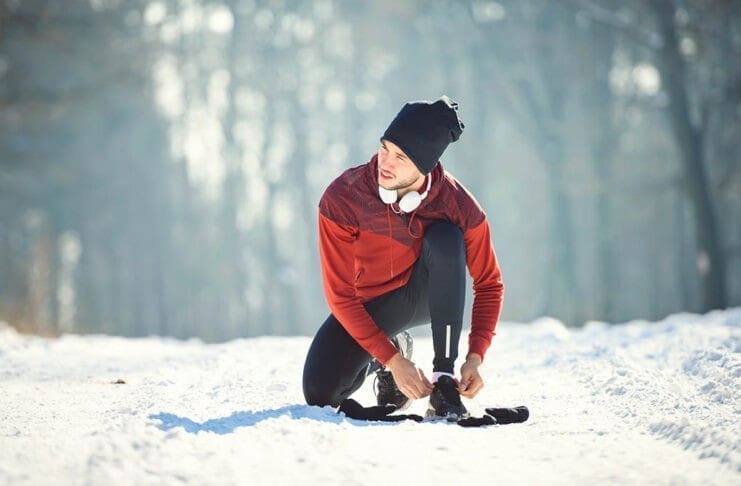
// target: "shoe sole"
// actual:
[[403, 406], [430, 414]]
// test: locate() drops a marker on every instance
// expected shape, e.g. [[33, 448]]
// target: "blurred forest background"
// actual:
[[161, 161]]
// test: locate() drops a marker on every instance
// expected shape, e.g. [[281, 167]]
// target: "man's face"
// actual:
[[395, 169]]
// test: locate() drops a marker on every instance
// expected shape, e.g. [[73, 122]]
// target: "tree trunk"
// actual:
[[603, 147], [710, 258]]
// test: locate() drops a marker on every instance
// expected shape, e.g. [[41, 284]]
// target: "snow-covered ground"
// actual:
[[638, 403]]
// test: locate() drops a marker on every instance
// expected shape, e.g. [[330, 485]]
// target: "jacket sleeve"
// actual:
[[488, 289], [338, 276]]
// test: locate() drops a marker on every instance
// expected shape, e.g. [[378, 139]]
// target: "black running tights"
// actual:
[[336, 365]]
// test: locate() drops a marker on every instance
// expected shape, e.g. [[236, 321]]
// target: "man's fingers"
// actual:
[[424, 379], [414, 389], [419, 386], [426, 385], [419, 389], [476, 385], [410, 390]]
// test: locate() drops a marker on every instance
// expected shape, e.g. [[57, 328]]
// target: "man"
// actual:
[[395, 237]]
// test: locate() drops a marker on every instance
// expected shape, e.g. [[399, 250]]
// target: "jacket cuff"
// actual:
[[384, 351], [479, 346]]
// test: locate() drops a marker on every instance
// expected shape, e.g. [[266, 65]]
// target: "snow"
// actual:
[[636, 403]]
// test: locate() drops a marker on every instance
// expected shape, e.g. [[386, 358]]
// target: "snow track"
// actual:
[[637, 403]]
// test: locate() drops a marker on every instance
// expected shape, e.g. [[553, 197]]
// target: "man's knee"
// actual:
[[319, 392], [328, 388], [316, 393], [317, 384], [335, 365]]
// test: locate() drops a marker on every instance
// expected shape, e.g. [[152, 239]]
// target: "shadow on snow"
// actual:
[[227, 425]]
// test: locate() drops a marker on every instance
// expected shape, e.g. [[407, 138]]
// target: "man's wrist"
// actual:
[[393, 360], [474, 358]]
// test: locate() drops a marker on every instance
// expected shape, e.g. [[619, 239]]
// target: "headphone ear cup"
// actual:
[[410, 201], [387, 196]]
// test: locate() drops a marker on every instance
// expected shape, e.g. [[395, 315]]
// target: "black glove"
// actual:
[[497, 416], [509, 415], [379, 413], [477, 421]]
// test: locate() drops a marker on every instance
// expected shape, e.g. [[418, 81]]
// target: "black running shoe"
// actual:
[[384, 385], [387, 393], [445, 401]]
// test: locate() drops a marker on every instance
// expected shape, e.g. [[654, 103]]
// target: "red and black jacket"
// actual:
[[367, 250]]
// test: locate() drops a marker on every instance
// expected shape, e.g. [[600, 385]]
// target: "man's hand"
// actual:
[[471, 382], [411, 381]]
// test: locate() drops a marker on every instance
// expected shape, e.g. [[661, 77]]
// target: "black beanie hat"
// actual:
[[423, 130]]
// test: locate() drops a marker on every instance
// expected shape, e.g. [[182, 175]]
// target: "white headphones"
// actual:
[[409, 201]]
